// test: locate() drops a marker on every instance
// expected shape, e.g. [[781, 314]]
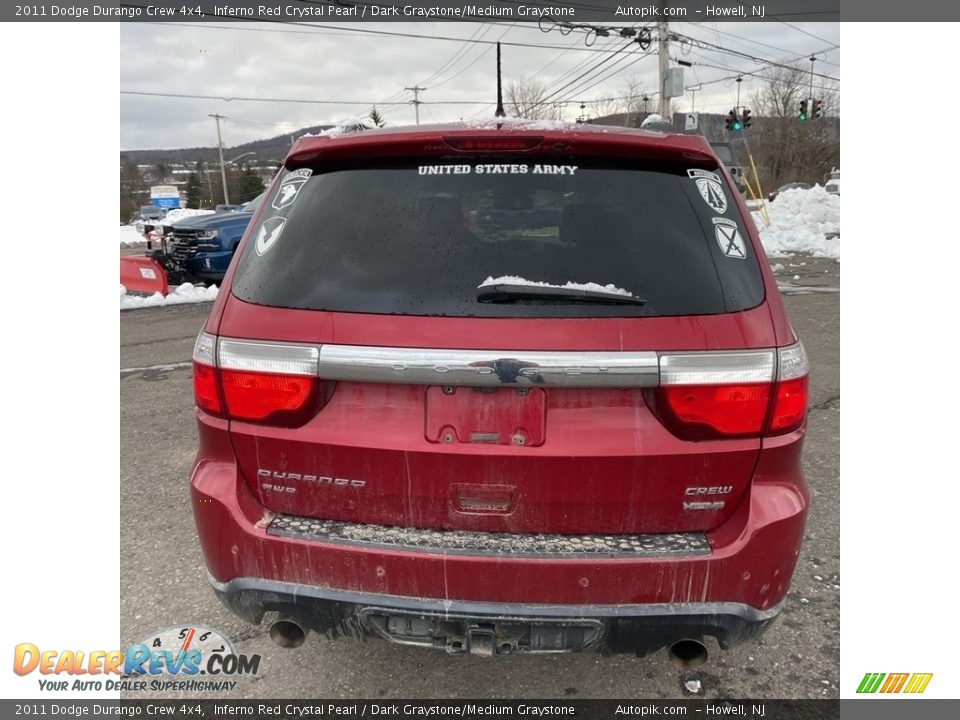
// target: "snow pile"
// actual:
[[651, 119], [514, 280], [186, 293], [494, 122], [799, 222], [178, 214], [129, 236], [350, 125]]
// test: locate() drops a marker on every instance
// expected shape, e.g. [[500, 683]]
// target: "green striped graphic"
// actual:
[[871, 682]]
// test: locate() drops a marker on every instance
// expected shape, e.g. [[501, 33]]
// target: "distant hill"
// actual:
[[270, 149]]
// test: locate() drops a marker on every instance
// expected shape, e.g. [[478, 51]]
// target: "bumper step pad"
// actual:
[[464, 542]]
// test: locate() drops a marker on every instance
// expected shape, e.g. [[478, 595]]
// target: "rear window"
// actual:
[[422, 237]]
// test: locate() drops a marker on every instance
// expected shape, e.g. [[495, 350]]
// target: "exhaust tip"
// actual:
[[288, 633], [688, 653]]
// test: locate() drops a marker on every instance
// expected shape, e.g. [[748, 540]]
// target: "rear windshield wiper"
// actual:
[[513, 293]]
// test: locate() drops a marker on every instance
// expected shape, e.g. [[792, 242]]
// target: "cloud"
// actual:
[[304, 62]]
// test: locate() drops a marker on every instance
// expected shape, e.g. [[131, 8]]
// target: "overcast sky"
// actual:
[[302, 62]]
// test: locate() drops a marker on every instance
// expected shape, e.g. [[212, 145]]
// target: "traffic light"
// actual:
[[733, 121], [817, 109], [746, 118], [803, 111]]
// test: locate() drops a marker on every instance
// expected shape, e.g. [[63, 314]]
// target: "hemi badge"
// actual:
[[704, 505]]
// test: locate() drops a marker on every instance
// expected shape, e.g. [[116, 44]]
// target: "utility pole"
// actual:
[[663, 55], [223, 169], [416, 99]]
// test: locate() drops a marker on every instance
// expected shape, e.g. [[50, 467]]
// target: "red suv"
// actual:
[[502, 389]]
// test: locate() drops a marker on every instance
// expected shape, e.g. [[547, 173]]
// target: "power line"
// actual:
[[705, 45], [580, 65], [462, 50], [613, 71], [363, 31], [740, 73], [597, 65], [296, 100], [718, 32], [482, 54], [799, 29]]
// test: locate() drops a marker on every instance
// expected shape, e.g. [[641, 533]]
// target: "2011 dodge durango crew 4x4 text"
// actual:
[[501, 389]]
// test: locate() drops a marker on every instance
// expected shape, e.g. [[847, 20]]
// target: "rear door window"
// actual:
[[421, 237]]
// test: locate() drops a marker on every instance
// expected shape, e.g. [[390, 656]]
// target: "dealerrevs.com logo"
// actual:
[[910, 683], [187, 658]]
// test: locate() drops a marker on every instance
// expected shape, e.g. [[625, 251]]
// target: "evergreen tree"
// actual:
[[161, 170], [194, 190], [249, 184], [376, 117], [206, 187], [133, 190]]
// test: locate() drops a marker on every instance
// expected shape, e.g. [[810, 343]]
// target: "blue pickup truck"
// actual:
[[200, 248]]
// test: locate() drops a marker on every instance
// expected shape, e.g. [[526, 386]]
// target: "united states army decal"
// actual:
[[711, 190], [729, 239], [269, 233], [290, 188]]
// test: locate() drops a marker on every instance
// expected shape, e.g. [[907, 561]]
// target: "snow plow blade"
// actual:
[[142, 274]]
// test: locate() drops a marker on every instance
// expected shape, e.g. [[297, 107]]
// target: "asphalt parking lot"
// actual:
[[163, 578]]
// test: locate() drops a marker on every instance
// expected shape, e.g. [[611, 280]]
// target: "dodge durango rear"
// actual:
[[502, 389]]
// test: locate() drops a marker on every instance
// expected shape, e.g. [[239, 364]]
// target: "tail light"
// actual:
[[487, 144], [269, 383], [705, 396], [790, 401]]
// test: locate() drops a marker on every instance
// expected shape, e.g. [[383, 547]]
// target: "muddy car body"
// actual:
[[419, 426]]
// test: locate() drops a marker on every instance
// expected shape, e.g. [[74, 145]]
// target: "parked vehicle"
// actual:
[[789, 186], [197, 249], [151, 212], [833, 183], [227, 208], [425, 426], [724, 152]]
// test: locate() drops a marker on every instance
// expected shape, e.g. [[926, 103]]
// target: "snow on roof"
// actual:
[[344, 127], [178, 214], [494, 122]]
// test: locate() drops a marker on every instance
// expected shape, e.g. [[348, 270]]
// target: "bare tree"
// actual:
[[785, 148], [525, 99], [633, 104], [606, 105]]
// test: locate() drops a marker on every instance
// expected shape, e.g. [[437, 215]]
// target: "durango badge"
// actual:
[[269, 233], [729, 239], [711, 190], [290, 188]]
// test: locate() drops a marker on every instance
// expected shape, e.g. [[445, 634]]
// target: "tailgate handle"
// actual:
[[482, 499]]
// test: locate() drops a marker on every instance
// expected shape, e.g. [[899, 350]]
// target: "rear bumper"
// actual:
[[732, 591], [492, 628]]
